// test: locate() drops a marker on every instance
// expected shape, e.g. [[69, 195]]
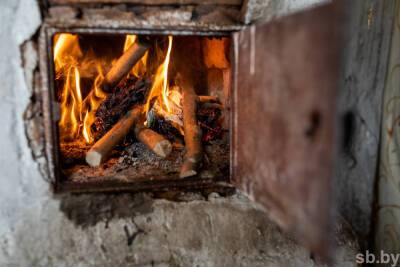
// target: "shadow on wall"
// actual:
[[86, 210]]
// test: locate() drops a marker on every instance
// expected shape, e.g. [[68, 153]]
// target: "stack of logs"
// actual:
[[123, 111]]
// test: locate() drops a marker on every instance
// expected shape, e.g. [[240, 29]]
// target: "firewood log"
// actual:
[[189, 71], [154, 141], [128, 93], [101, 150], [124, 64], [194, 151]]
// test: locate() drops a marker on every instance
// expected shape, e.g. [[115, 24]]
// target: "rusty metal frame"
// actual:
[[50, 109]]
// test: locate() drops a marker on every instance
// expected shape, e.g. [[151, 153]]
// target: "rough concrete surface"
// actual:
[[40, 229], [366, 50], [214, 232]]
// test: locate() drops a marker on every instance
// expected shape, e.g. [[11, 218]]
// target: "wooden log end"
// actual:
[[94, 158], [154, 141], [190, 166], [163, 148]]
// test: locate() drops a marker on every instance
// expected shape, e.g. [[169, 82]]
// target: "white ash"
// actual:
[[138, 162]]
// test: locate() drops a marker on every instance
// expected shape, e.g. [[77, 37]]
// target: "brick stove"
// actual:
[[272, 84]]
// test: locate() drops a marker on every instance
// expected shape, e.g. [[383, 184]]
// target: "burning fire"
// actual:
[[78, 107], [160, 88], [139, 69], [91, 103], [77, 113], [168, 98]]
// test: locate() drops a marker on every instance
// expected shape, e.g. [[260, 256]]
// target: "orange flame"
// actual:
[[66, 50], [92, 102], [160, 88], [78, 108], [77, 114], [129, 40]]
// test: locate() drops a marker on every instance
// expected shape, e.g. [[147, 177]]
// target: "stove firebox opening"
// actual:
[[141, 108]]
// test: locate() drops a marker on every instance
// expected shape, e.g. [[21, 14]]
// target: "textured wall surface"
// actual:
[[40, 229], [265, 10], [366, 49], [388, 226]]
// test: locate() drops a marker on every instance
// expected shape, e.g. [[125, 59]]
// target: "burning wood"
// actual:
[[154, 141], [102, 148], [172, 108], [124, 64], [170, 125], [194, 151], [131, 92]]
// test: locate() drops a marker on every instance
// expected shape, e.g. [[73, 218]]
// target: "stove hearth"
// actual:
[[184, 96], [141, 107]]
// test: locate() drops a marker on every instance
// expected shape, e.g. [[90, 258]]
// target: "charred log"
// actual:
[[128, 93], [165, 128], [210, 120]]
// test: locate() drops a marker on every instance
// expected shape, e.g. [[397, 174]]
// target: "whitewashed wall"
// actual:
[[20, 181]]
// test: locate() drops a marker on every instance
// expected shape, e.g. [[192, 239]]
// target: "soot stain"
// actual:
[[314, 125], [86, 210]]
